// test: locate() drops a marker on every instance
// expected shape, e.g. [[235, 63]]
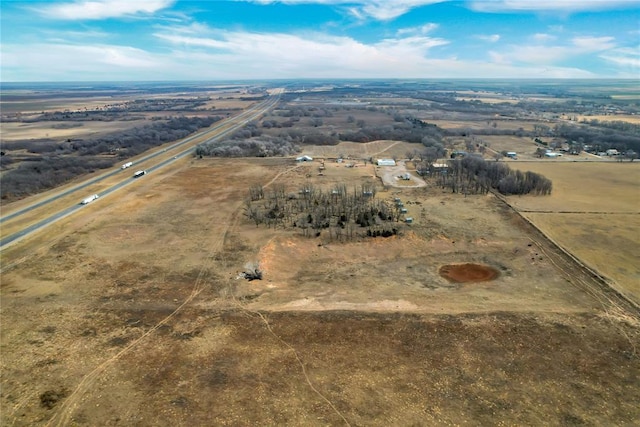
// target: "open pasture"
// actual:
[[139, 315], [593, 212], [363, 151], [486, 123], [612, 118], [14, 131]]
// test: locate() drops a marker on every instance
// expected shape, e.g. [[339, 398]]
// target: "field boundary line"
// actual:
[[604, 284], [578, 212]]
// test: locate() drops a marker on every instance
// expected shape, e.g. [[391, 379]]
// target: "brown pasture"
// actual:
[[593, 212], [134, 313]]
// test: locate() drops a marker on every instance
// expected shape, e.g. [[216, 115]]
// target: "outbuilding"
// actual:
[[304, 158], [385, 162]]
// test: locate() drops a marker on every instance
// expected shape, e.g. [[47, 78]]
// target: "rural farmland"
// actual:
[[238, 286]]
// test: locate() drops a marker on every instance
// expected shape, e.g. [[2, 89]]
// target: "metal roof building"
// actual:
[[386, 162]]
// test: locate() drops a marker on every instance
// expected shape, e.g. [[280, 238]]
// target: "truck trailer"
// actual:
[[89, 199], [138, 174], [127, 165]]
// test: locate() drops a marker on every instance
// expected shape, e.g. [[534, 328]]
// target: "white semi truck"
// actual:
[[127, 165], [89, 199], [138, 174]]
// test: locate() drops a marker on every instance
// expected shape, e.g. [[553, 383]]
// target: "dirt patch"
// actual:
[[468, 273]]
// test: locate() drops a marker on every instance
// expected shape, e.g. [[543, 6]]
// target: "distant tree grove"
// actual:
[[474, 175]]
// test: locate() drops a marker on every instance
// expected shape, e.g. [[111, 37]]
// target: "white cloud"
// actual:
[[568, 6], [383, 10], [548, 54], [498, 58], [628, 58], [52, 62], [197, 52], [423, 29], [102, 9], [493, 38], [593, 44], [314, 51], [542, 37]]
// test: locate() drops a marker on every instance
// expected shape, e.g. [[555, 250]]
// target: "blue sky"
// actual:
[[127, 40]]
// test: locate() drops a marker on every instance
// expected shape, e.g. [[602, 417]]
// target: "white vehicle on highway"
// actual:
[[89, 199], [127, 165], [138, 174]]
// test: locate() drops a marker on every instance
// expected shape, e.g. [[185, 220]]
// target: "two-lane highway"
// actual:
[[163, 158]]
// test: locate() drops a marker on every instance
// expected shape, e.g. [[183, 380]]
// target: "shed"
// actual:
[[304, 159], [385, 162], [552, 154]]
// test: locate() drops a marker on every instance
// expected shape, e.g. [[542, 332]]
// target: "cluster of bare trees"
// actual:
[[47, 172], [113, 112], [474, 175], [409, 130], [60, 161], [305, 111], [601, 138], [264, 146], [340, 213], [124, 143]]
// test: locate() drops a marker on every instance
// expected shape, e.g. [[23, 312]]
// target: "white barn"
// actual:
[[386, 162], [552, 154]]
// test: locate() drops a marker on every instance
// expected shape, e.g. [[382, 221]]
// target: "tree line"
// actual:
[[600, 138], [474, 175], [42, 173], [124, 143], [62, 161]]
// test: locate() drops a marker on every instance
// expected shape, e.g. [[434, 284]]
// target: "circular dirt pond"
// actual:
[[466, 273]]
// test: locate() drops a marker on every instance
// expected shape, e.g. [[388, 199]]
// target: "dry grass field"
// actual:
[[594, 212], [486, 124], [354, 150], [61, 131], [612, 118], [135, 314], [31, 104]]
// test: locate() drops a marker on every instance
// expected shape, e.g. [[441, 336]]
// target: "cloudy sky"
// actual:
[[109, 40]]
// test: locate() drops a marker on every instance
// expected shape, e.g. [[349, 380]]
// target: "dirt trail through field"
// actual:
[[264, 320], [65, 411]]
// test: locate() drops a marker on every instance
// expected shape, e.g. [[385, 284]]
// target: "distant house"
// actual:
[[552, 155], [304, 159], [612, 152], [386, 162]]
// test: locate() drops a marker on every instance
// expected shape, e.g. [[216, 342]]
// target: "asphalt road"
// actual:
[[217, 132]]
